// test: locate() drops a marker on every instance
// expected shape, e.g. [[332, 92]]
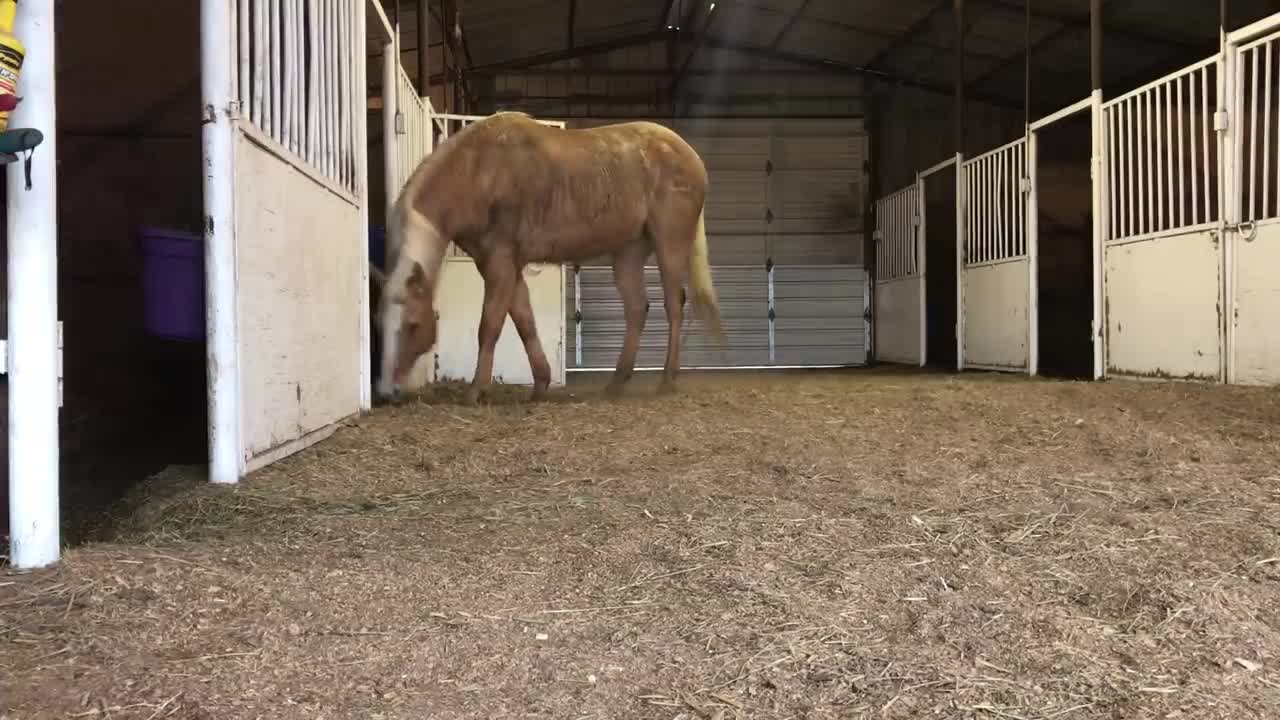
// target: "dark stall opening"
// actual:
[[1064, 269]]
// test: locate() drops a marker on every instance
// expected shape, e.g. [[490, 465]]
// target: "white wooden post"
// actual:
[[33, 307], [217, 65], [360, 108]]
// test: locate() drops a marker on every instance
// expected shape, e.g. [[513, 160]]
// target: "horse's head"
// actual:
[[408, 320]]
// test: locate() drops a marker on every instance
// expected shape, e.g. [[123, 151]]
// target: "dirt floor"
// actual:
[[863, 544]]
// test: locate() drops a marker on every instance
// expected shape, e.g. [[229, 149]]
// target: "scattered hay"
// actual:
[[872, 544]]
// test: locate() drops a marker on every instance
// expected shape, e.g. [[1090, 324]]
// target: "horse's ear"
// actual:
[[417, 283]]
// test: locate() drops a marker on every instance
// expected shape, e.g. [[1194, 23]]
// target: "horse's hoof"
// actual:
[[471, 398], [539, 393]]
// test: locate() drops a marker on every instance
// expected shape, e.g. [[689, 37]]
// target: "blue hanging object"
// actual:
[[20, 140]]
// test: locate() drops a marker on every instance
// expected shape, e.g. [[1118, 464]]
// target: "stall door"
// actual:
[[899, 294], [996, 277]]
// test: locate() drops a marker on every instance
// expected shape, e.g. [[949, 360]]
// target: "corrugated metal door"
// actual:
[[786, 190]]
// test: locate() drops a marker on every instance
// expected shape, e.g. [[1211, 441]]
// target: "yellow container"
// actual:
[[12, 52]]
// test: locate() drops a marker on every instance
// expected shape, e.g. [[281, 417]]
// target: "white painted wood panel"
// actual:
[[459, 302], [898, 320], [1257, 314], [1162, 307], [995, 315], [299, 250]]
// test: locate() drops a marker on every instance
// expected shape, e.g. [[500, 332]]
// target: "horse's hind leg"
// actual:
[[522, 318], [673, 263], [500, 275], [628, 277]]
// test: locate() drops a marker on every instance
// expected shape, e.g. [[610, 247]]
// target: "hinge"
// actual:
[[772, 315], [1221, 121], [577, 316], [915, 220], [768, 265], [768, 167], [768, 215], [399, 123], [1024, 184]]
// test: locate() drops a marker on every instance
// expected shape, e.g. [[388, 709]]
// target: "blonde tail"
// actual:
[[705, 302]]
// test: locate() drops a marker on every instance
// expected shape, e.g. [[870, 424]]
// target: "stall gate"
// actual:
[[1252, 65], [900, 280], [461, 286], [298, 208], [997, 278], [1163, 262]]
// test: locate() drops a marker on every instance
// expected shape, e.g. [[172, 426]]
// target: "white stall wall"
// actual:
[[299, 308], [300, 244], [460, 294]]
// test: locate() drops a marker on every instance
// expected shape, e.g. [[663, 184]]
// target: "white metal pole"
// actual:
[[359, 98], [1031, 229], [1101, 203], [961, 240], [922, 267], [217, 63], [33, 312]]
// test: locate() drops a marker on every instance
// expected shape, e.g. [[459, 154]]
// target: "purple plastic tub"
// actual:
[[173, 284]]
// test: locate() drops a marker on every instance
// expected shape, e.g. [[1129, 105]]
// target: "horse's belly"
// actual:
[[580, 242]]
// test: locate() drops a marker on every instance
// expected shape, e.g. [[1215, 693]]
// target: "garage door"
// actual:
[[784, 226]]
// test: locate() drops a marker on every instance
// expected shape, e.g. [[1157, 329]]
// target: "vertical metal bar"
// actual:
[[1144, 162], [1266, 139], [314, 98], [577, 315], [1182, 167], [1095, 44], [287, 72], [1207, 138], [1002, 200], [958, 12], [1033, 262], [1252, 179], [922, 266], [1130, 182], [1024, 214], [274, 126], [390, 146], [300, 77], [259, 63], [244, 21], [1109, 116], [1193, 132], [1157, 156], [773, 343], [1168, 155]]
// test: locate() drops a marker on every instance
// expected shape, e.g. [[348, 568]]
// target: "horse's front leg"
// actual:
[[522, 318], [499, 284]]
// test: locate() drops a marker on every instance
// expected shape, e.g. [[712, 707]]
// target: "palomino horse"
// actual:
[[509, 191]]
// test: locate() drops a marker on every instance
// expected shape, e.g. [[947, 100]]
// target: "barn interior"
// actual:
[[1064, 262], [130, 149]]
